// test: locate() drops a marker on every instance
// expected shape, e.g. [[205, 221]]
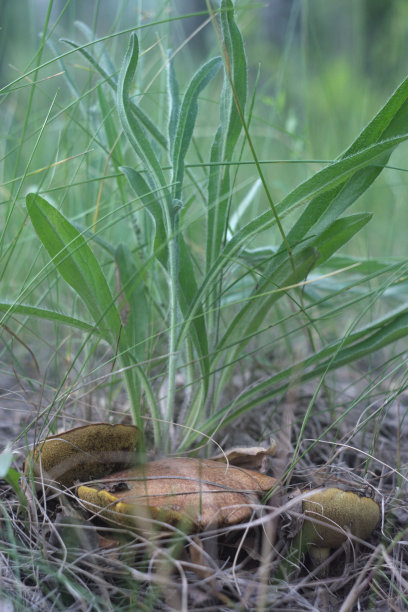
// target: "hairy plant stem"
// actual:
[[173, 312]]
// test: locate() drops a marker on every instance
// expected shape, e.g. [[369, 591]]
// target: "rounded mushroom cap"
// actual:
[[341, 513], [203, 492], [84, 452]]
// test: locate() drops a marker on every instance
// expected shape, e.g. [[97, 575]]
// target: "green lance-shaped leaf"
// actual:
[[236, 66], [75, 262], [133, 305], [338, 234], [319, 183], [388, 124], [131, 126], [150, 201], [111, 80], [186, 119], [346, 173], [249, 319], [338, 172]]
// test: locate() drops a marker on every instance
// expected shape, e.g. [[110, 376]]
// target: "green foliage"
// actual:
[[202, 278], [75, 262]]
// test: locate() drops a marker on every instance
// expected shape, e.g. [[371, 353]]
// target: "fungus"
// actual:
[[84, 453], [202, 492], [332, 516]]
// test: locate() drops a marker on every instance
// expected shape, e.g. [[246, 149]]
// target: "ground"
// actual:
[[367, 452]]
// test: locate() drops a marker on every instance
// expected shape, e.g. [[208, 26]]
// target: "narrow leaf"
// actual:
[[237, 69], [143, 191], [132, 300], [44, 313], [132, 128], [188, 290], [75, 262], [174, 105], [338, 234], [138, 112], [187, 117], [390, 122], [234, 91]]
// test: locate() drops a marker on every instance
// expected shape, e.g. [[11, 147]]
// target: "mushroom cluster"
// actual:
[[100, 464]]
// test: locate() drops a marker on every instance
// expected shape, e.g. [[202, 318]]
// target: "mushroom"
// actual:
[[202, 492], [332, 516], [84, 453]]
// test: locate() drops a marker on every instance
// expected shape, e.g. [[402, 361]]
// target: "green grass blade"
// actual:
[[75, 262], [228, 131], [89, 35], [338, 234], [249, 319], [174, 105], [111, 131], [44, 313], [323, 181], [268, 291]]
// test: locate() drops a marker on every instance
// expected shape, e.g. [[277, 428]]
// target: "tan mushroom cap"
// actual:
[[203, 492]]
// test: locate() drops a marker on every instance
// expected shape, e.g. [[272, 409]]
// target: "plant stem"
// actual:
[[172, 362]]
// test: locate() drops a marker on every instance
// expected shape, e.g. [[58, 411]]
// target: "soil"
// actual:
[[371, 428]]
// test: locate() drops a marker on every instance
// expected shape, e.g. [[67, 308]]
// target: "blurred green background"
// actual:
[[325, 68]]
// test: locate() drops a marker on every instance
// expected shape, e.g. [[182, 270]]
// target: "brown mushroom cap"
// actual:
[[84, 453], [203, 492], [341, 513]]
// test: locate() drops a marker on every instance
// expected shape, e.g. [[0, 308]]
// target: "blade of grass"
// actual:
[[43, 313]]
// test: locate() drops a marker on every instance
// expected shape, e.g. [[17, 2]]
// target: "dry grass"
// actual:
[[57, 557]]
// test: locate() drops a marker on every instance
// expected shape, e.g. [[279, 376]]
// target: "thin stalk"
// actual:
[[173, 316]]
